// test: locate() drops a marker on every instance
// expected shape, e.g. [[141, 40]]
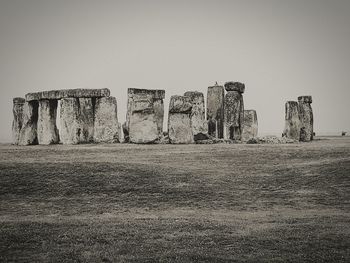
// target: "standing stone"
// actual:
[[215, 111], [106, 127], [18, 104], [250, 125], [292, 122], [198, 122], [28, 134], [145, 114], [69, 110], [179, 120], [47, 130], [86, 120], [306, 118], [233, 110], [77, 120]]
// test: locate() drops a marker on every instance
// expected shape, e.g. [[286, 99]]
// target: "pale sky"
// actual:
[[280, 49]]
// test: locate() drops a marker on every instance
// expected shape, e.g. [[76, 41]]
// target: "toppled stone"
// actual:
[[28, 134], [250, 125], [47, 130], [292, 122], [179, 120], [77, 120], [145, 114], [106, 126], [270, 140], [68, 93], [306, 118], [18, 104], [215, 111], [233, 111], [198, 122]]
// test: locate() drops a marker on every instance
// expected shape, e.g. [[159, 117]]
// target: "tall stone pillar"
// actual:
[[86, 120], [47, 129], [198, 123], [250, 125], [69, 126], [18, 104], [179, 120], [145, 114], [28, 134], [77, 120], [106, 127], [292, 122], [215, 111], [233, 110], [306, 118]]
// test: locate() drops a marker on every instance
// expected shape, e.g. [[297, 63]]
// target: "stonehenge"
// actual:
[[215, 111], [86, 116], [91, 116], [145, 114], [299, 119], [233, 110], [250, 125]]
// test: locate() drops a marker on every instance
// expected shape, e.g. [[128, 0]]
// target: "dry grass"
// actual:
[[147, 203]]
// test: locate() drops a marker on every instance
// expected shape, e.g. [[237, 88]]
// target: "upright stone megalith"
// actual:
[[28, 134], [198, 123], [292, 122], [77, 120], [250, 125], [106, 127], [47, 129], [18, 104], [179, 120], [233, 110], [145, 114], [306, 118], [215, 111], [86, 120]]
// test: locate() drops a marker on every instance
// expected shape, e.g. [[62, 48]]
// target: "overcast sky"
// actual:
[[280, 49]]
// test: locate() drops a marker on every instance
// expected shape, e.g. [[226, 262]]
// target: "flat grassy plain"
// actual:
[[168, 203]]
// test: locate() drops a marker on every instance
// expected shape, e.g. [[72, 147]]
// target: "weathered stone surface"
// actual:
[[292, 122], [179, 120], [250, 125], [233, 111], [86, 120], [145, 114], [68, 93], [47, 130], [125, 132], [106, 127], [69, 112], [306, 118], [18, 104], [198, 122], [28, 134], [77, 120], [215, 111], [235, 86]]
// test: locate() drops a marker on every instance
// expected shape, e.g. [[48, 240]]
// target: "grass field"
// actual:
[[185, 203]]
